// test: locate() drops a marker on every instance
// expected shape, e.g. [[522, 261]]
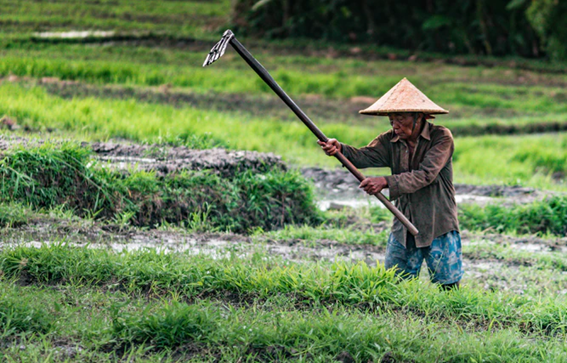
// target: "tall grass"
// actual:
[[17, 315], [329, 334], [13, 215]]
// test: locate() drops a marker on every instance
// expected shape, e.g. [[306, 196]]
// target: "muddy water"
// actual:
[[492, 275], [367, 201], [76, 34], [212, 245]]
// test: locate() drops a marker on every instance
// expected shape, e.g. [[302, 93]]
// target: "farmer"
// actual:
[[419, 155]]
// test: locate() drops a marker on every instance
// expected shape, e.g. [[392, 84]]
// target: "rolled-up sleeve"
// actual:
[[375, 155], [434, 160]]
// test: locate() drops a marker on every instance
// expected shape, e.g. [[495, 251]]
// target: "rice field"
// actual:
[[110, 264]]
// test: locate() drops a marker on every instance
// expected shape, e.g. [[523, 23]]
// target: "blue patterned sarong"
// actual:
[[443, 258]]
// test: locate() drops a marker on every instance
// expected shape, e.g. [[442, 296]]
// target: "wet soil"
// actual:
[[339, 188], [96, 235], [165, 159], [488, 272]]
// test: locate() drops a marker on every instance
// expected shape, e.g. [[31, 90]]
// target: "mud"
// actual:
[[212, 244], [338, 188], [165, 159]]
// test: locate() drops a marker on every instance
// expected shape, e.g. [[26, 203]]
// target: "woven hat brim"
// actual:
[[386, 112], [403, 97]]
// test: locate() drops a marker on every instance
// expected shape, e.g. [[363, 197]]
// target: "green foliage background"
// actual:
[[498, 27]]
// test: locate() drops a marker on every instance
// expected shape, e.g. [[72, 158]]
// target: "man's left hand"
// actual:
[[374, 186]]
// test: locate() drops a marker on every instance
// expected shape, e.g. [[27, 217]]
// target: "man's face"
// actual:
[[402, 124]]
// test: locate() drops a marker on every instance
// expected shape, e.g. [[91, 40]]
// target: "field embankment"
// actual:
[[65, 176]]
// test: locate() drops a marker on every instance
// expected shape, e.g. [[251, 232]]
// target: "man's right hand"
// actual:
[[331, 147]]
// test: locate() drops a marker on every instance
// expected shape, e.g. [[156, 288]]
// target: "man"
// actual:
[[419, 155]]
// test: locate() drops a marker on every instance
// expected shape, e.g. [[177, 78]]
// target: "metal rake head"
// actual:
[[218, 50]]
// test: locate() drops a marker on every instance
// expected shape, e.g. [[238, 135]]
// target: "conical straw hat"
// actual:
[[403, 97]]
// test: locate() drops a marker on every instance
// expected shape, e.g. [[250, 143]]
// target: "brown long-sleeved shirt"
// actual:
[[422, 187]]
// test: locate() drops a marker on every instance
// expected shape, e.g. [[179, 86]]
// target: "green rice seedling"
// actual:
[[22, 313], [183, 69], [340, 283], [172, 325], [308, 234], [544, 160], [115, 327], [50, 175]]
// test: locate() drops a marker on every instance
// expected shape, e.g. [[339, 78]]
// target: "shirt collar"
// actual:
[[425, 133]]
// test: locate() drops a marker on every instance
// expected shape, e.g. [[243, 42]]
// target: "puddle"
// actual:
[[128, 159], [528, 247], [368, 201], [218, 248], [126, 162], [211, 247], [300, 253], [76, 34]]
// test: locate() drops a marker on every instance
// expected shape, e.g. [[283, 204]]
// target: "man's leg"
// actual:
[[444, 260], [406, 260]]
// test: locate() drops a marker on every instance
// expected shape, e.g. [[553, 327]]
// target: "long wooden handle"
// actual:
[[392, 208], [266, 77]]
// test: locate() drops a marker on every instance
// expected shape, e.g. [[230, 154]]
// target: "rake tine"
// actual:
[[218, 49]]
